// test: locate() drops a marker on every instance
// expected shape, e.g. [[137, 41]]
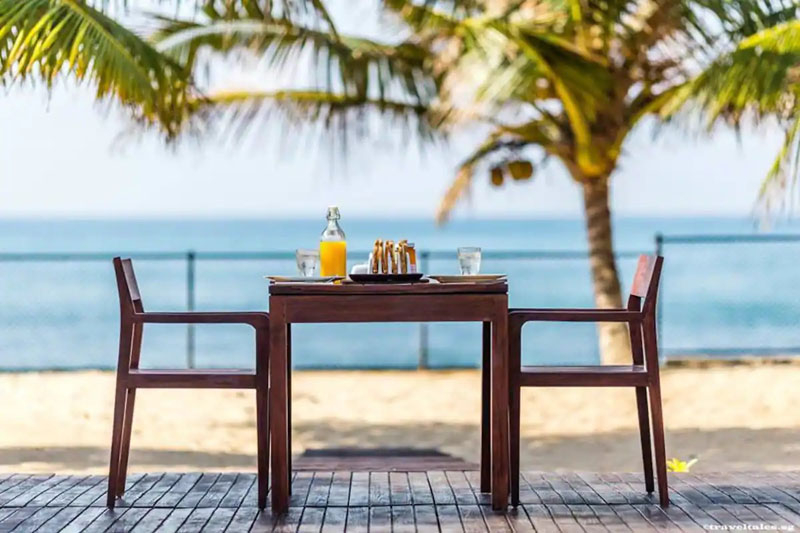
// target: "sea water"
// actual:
[[717, 298]]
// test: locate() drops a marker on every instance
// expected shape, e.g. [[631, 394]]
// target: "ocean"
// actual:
[[718, 298]]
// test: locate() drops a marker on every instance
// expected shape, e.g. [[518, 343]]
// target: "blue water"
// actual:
[[717, 298]]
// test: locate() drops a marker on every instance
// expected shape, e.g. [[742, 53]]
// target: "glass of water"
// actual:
[[469, 260], [307, 261]]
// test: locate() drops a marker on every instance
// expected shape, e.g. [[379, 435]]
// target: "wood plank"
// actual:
[[563, 518], [157, 491], [586, 518], [46, 497], [138, 490], [319, 490], [495, 520], [12, 481], [609, 518], [359, 490], [442, 493], [425, 518], [36, 520], [540, 517], [300, 487], [311, 521], [449, 518], [16, 518], [62, 518], [239, 490], [127, 521], [518, 519], [29, 484], [196, 493], [380, 518], [633, 518], [357, 518], [152, 520], [96, 496], [179, 490], [290, 521], [420, 488], [541, 487], [379, 489], [563, 489], [339, 494], [243, 519], [218, 523], [474, 478], [335, 519], [608, 494], [471, 518], [583, 489], [264, 523], [403, 519], [174, 521], [399, 489], [784, 512], [462, 491], [218, 490], [72, 493], [768, 516], [196, 520], [84, 519]]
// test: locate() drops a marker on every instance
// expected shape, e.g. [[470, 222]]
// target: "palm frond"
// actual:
[[335, 118], [497, 143], [780, 184], [47, 39], [353, 66]]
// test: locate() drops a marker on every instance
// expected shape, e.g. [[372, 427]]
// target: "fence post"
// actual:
[[422, 360], [659, 238], [191, 256]]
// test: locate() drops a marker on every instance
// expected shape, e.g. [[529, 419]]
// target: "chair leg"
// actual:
[[130, 400], [515, 392], [641, 406], [486, 390], [262, 414], [644, 434], [125, 445], [123, 364], [651, 352]]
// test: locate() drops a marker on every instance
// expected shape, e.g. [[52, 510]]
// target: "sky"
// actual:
[[61, 155]]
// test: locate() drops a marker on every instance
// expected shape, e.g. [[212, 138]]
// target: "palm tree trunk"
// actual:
[[613, 337]]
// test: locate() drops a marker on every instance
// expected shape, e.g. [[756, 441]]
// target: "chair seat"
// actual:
[[192, 379], [583, 376]]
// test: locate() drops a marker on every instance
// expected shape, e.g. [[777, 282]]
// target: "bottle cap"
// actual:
[[333, 212]]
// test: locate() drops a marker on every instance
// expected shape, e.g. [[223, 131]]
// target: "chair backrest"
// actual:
[[645, 283], [130, 300]]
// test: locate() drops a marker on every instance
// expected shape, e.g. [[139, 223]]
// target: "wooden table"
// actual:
[[420, 302]]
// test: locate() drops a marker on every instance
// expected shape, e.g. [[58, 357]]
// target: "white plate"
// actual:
[[477, 278], [302, 279]]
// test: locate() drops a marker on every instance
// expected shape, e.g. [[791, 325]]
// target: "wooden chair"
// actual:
[[130, 377], [640, 315]]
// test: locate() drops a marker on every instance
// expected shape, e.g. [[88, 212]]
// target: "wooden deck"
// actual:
[[400, 501]]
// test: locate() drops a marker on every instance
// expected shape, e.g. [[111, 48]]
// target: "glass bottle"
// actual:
[[333, 246]]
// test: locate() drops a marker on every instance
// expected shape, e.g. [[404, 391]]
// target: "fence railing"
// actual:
[[662, 244]]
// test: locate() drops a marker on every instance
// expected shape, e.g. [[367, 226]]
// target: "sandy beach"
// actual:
[[732, 417]]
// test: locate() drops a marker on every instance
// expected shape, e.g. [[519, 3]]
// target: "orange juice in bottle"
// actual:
[[333, 247]]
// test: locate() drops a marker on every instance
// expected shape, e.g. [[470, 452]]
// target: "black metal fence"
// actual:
[[722, 295]]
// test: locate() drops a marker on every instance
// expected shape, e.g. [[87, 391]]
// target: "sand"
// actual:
[[739, 417]]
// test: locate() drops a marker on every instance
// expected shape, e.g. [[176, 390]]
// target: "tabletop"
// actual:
[[342, 289]]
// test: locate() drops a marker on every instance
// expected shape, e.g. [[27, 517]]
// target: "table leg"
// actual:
[[499, 378], [289, 397], [486, 413], [278, 405]]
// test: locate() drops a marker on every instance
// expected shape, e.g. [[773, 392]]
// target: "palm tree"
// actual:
[[562, 80], [548, 79]]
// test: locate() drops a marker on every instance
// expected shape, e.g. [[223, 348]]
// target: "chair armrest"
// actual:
[[255, 319], [573, 315]]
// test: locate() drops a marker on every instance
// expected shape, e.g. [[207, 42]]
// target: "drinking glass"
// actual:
[[307, 261], [469, 260]]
